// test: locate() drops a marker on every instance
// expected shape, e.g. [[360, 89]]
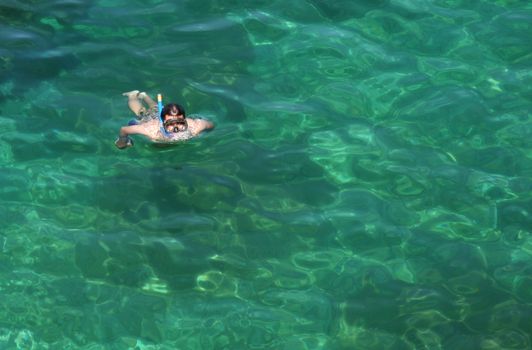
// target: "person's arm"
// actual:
[[201, 125], [124, 140]]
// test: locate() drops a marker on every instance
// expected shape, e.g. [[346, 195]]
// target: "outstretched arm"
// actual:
[[123, 140], [201, 125]]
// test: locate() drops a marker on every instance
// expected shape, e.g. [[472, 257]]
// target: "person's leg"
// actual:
[[146, 98], [134, 103]]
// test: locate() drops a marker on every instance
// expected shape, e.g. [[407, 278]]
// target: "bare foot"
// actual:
[[131, 94], [142, 95]]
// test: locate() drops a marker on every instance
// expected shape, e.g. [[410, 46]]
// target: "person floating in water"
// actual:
[[175, 125]]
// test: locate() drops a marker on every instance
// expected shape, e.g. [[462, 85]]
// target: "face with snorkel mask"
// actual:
[[174, 118]]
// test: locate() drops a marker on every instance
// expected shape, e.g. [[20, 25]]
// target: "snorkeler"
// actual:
[[175, 125]]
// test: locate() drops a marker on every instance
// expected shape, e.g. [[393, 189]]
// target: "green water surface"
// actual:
[[368, 184]]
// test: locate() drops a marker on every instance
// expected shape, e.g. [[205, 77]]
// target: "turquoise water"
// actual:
[[368, 184]]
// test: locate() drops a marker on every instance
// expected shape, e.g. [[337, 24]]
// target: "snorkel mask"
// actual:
[[175, 125]]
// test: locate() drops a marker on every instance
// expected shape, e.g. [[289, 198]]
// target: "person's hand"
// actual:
[[123, 142]]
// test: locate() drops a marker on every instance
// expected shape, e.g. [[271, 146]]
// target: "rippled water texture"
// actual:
[[368, 184]]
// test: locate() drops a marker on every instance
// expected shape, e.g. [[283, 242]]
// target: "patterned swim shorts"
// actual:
[[147, 115]]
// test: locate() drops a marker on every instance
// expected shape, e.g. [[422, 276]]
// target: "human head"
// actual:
[[173, 109]]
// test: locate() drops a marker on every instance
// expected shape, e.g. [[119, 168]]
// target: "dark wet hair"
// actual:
[[172, 109]]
